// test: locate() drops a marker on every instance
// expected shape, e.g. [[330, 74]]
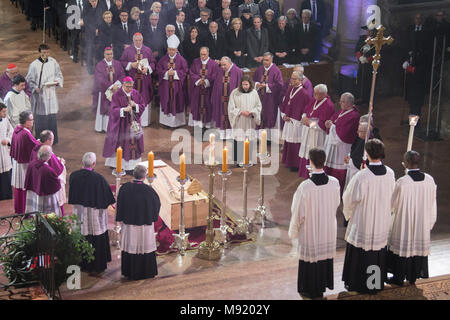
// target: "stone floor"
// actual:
[[265, 269]]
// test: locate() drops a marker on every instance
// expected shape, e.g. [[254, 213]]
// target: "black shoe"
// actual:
[[392, 280]]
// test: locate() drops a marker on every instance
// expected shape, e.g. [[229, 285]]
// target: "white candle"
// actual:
[[212, 138], [312, 127], [412, 123], [263, 146], [212, 156]]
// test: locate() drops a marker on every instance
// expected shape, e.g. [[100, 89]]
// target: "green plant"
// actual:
[[20, 259]]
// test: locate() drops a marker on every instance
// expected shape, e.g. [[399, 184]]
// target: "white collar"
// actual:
[[418, 169], [230, 68], [318, 172], [375, 163], [204, 62], [138, 48], [123, 23], [108, 63], [267, 69], [173, 56]]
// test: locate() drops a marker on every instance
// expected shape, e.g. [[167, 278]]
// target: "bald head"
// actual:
[[45, 153]]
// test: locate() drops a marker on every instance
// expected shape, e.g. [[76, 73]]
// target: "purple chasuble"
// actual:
[[295, 106], [196, 92], [118, 133], [269, 101], [217, 94], [306, 84], [41, 179], [102, 82], [323, 113], [146, 84], [346, 125], [176, 103], [22, 144]]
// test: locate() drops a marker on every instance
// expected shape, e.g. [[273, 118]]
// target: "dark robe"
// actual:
[[138, 205], [191, 50], [41, 179]]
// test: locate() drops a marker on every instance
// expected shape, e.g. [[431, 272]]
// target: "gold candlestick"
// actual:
[[210, 249], [244, 225], [181, 239], [260, 211], [223, 225]]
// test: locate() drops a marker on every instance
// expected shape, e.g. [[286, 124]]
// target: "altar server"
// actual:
[[6, 131], [415, 210], [313, 224]]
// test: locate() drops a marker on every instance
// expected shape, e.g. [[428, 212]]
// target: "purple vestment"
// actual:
[[22, 144], [217, 94], [41, 179], [347, 125], [54, 163], [212, 68], [6, 85], [102, 83], [306, 84], [269, 101], [118, 133], [176, 103], [146, 86]]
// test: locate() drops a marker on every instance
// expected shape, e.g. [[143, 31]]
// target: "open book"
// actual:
[[109, 92]]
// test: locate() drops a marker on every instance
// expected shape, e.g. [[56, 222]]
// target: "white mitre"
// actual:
[[173, 42]]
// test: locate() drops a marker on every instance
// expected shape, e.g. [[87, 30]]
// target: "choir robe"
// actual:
[[56, 164], [118, 133], [367, 208], [311, 212], [270, 96], [324, 110], [244, 127], [91, 195], [293, 106], [172, 109], [306, 84], [6, 85], [6, 132], [45, 104], [42, 185], [16, 102], [218, 101], [138, 208], [338, 142], [22, 144], [146, 90], [196, 92], [414, 215], [102, 82]]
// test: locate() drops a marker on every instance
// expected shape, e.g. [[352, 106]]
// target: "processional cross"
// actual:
[[377, 42]]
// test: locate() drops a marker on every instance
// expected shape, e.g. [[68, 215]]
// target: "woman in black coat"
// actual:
[[236, 43], [192, 45], [105, 34]]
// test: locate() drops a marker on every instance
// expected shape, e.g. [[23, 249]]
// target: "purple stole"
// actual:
[[138, 73], [171, 65], [225, 99], [203, 73]]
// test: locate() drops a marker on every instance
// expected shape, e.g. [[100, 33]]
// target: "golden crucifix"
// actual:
[[377, 42]]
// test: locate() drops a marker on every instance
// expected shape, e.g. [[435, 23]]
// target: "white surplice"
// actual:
[[336, 150], [313, 220], [244, 127], [415, 210], [6, 131], [16, 103], [367, 207], [50, 72]]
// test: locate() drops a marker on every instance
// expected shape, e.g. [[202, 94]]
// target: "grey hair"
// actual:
[[206, 10], [89, 159], [268, 54], [225, 10], [226, 59], [154, 14], [301, 67], [322, 88], [349, 98], [298, 74], [282, 18], [269, 10], [170, 25], [139, 172], [292, 10], [207, 49], [307, 11], [24, 116], [363, 120], [45, 153]]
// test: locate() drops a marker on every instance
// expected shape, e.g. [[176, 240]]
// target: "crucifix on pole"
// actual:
[[377, 42]]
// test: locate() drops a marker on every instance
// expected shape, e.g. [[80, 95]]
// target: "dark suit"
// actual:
[[256, 47], [203, 28], [75, 34], [218, 12], [104, 5], [116, 14], [238, 43], [270, 4], [134, 27], [306, 40], [172, 15], [281, 42], [154, 40], [92, 20], [185, 29], [120, 38], [105, 38], [217, 49], [223, 27], [321, 11]]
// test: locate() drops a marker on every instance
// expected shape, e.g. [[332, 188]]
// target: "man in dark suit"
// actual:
[[306, 38], [201, 4], [122, 35], [106, 5], [215, 42], [318, 11], [203, 23], [116, 9], [154, 36], [281, 44], [270, 4], [226, 4], [167, 5], [225, 21], [179, 6], [257, 43], [250, 5], [75, 34], [92, 18], [61, 21]]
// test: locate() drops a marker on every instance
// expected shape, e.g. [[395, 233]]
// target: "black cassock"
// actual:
[[91, 195], [138, 208]]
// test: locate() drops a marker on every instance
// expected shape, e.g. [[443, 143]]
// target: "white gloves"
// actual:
[[363, 59], [405, 65]]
